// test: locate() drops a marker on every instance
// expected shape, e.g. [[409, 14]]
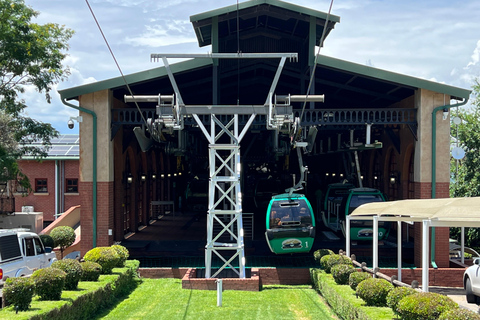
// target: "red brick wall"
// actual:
[[189, 281], [444, 277], [269, 276], [46, 202], [104, 214], [424, 191]]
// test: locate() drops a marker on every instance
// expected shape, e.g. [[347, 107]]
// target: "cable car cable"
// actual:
[[312, 76], [116, 62]]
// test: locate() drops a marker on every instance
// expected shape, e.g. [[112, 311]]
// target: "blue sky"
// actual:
[[431, 39]]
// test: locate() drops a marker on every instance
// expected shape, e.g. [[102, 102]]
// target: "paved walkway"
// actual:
[[457, 295]]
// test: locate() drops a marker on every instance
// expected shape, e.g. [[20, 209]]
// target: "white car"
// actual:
[[471, 282]]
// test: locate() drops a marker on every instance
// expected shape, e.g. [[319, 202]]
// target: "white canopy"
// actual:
[[448, 212]]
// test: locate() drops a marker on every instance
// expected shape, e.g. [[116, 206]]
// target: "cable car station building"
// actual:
[[138, 151]]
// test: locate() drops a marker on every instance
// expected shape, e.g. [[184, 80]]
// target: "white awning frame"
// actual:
[[448, 212]]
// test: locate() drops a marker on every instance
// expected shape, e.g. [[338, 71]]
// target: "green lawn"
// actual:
[[165, 299]]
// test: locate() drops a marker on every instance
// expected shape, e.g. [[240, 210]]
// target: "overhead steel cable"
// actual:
[[116, 62], [312, 76]]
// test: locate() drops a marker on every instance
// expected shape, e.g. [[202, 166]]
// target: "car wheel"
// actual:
[[470, 296]]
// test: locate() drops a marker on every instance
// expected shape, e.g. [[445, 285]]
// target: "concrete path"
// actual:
[[457, 295]]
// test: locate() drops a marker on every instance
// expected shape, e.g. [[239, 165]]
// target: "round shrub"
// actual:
[[374, 291], [49, 283], [63, 237], [91, 271], [318, 254], [459, 314], [73, 269], [47, 241], [323, 261], [334, 259], [397, 294], [107, 257], [341, 273], [18, 292], [357, 277], [424, 306], [122, 253]]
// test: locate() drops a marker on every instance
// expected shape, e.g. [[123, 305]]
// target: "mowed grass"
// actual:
[[165, 299]]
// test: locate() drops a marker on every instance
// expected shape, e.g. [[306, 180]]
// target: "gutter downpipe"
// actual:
[[434, 164], [94, 167]]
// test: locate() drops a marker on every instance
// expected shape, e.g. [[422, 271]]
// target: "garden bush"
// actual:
[[334, 259], [91, 271], [341, 273], [318, 254], [47, 241], [397, 294], [424, 306], [107, 257], [459, 314], [18, 292], [122, 253], [356, 277], [63, 237], [374, 291], [49, 283], [73, 269], [323, 261]]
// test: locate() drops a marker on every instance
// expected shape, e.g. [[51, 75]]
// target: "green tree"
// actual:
[[31, 55], [63, 237], [466, 172]]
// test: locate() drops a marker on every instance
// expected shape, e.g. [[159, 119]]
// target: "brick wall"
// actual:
[[45, 202], [444, 277], [285, 276], [423, 190], [189, 281], [104, 214]]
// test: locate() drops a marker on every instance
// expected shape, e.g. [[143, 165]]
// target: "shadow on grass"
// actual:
[[99, 314]]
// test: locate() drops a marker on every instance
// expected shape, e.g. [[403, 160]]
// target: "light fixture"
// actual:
[[341, 175], [326, 174], [154, 176], [393, 178], [162, 176], [333, 174], [129, 179], [169, 175], [375, 177], [361, 177], [143, 177], [174, 174], [179, 173]]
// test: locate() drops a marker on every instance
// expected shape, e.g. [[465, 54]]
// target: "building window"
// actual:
[[71, 186], [41, 185]]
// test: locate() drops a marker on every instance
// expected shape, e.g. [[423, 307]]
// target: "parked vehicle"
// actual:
[[471, 282], [21, 253]]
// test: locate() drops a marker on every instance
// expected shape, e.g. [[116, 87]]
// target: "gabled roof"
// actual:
[[395, 79], [282, 16]]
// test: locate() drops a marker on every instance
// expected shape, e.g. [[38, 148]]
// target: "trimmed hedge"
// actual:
[[459, 314], [374, 291], [357, 277], [118, 285], [19, 292], [49, 283], [341, 273], [323, 261], [318, 254], [122, 253], [73, 269], [339, 304], [334, 259], [424, 306], [47, 241], [91, 271], [107, 257], [397, 294]]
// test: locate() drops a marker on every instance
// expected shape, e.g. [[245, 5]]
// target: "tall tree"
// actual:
[[31, 55], [465, 173]]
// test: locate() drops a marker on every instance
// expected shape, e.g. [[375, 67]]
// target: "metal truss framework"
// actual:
[[225, 202]]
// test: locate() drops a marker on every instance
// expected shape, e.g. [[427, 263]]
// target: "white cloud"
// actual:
[[475, 55], [175, 32]]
